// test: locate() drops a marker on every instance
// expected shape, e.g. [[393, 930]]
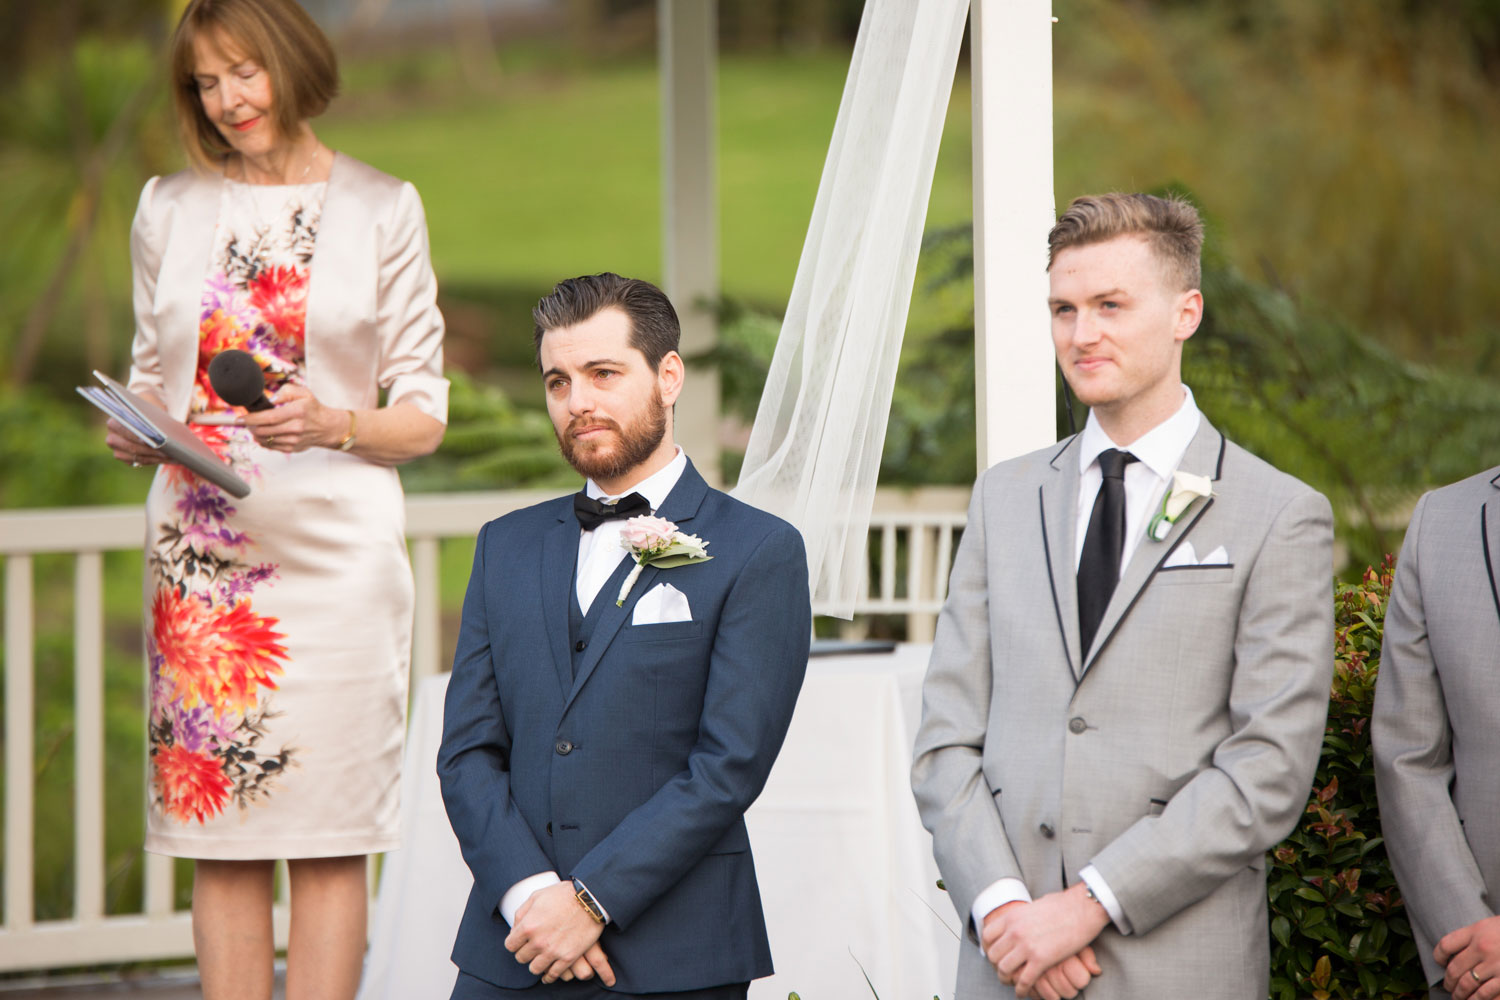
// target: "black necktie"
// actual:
[[592, 513], [1099, 569]]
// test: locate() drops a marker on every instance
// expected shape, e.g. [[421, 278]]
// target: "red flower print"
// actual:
[[248, 651], [220, 658], [192, 784], [183, 630], [279, 294]]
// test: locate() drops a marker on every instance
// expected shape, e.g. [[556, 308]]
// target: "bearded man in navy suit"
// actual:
[[605, 732]]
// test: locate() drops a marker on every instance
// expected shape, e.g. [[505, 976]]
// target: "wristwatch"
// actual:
[[588, 902]]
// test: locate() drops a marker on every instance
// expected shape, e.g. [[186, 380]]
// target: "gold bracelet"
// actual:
[[348, 441]]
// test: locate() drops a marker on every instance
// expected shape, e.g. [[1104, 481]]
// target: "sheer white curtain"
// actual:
[[814, 450]]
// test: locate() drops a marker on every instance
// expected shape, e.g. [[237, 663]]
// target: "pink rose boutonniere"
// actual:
[[655, 541]]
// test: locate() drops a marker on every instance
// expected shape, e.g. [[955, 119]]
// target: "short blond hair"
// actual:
[[281, 37], [1171, 227]]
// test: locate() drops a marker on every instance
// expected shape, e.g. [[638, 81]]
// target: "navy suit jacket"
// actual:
[[633, 776]]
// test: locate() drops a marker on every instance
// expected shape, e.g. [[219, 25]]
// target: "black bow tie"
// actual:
[[592, 513]]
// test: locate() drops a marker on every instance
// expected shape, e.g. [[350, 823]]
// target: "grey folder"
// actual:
[[158, 429]]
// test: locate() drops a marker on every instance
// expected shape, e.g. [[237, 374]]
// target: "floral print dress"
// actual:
[[278, 625]]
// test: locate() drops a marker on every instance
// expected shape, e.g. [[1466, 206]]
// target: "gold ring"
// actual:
[[1475, 973], [270, 440]]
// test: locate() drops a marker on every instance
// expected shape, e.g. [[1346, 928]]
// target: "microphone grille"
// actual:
[[236, 377]]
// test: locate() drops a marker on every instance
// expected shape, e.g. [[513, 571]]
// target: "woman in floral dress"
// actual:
[[278, 625]]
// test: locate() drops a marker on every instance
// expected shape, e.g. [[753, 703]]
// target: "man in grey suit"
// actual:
[[1125, 704], [1437, 742]]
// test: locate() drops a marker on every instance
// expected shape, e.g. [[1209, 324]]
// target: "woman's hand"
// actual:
[[297, 422], [129, 448]]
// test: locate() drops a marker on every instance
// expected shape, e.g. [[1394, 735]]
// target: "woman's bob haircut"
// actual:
[[280, 37]]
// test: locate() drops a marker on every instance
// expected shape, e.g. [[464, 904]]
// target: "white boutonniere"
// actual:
[[655, 541], [1186, 488]]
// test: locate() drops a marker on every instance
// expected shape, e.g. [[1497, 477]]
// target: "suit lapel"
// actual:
[[1489, 537], [1058, 501], [680, 507], [559, 567], [1204, 456]]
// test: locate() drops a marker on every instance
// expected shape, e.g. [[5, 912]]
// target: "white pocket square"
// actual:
[[1218, 557], [1185, 555], [661, 604]]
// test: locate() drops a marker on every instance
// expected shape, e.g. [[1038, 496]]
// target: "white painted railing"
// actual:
[[912, 541]]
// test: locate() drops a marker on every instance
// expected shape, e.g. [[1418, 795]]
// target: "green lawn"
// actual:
[[555, 176]]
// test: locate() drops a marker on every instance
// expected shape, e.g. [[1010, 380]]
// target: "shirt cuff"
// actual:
[[1000, 892], [1106, 898], [521, 892]]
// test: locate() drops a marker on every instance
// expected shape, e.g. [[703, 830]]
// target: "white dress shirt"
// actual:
[[1159, 452], [599, 555], [600, 551]]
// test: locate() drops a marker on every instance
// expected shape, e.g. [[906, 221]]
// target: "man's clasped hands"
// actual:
[[1043, 948], [556, 938]]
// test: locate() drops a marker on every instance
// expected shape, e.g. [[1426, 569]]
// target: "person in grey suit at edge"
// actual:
[[1435, 736], [1124, 709], [603, 732]]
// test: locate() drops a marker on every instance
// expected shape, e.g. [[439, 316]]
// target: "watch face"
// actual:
[[587, 899]]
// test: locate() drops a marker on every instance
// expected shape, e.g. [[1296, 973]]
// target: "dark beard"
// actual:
[[636, 444]]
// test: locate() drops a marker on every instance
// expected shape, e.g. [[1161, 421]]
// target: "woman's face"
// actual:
[[236, 95]]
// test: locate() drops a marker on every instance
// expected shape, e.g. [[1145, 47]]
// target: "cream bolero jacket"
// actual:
[[372, 316]]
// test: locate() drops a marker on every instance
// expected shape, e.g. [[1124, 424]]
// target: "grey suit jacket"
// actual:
[[1171, 757], [1436, 702]]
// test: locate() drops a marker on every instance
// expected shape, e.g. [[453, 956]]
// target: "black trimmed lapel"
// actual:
[[1058, 502], [1489, 537], [1204, 456]]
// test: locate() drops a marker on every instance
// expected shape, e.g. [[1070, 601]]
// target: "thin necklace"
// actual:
[[260, 215]]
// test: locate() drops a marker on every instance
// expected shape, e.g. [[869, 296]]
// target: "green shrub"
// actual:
[[1338, 923]]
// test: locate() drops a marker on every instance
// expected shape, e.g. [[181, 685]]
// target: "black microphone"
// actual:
[[238, 380]]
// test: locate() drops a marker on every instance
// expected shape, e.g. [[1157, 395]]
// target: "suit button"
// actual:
[[580, 646], [1047, 830], [549, 829], [564, 747], [1077, 725]]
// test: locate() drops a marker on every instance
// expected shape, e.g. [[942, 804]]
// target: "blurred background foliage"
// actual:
[[1344, 154]]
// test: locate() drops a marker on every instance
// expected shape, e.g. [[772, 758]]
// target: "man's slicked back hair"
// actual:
[[654, 329], [1171, 227]]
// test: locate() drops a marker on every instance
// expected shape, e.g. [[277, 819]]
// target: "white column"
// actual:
[[688, 53], [1011, 55]]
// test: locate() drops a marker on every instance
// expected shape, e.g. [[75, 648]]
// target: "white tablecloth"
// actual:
[[845, 868]]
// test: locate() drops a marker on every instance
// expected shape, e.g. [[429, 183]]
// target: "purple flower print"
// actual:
[[191, 728], [242, 584], [219, 294], [204, 505]]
